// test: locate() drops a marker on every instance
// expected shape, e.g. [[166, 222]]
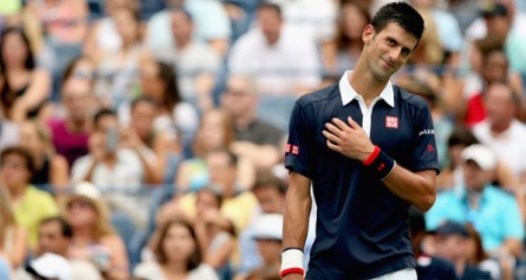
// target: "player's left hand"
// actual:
[[348, 139]]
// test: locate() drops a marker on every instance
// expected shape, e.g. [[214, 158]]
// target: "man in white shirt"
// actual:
[[284, 61], [501, 131]]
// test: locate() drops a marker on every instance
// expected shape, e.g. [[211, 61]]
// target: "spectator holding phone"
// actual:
[[115, 163]]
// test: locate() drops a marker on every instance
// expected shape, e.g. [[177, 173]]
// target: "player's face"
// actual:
[[386, 51]]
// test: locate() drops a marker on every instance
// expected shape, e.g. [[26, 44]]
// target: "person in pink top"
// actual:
[[70, 134]]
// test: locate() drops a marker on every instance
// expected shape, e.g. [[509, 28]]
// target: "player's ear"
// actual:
[[368, 34]]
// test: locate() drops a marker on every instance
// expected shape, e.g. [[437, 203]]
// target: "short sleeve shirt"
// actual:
[[34, 206], [362, 228]]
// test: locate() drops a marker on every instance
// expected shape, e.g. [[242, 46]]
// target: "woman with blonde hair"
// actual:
[[94, 239], [50, 167], [13, 238]]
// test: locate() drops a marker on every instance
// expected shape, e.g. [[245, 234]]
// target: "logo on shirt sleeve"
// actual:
[[295, 150], [391, 122]]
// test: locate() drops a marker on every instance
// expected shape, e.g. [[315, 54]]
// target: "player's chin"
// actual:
[[382, 75]]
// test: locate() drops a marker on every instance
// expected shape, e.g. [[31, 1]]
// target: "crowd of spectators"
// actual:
[[144, 139]]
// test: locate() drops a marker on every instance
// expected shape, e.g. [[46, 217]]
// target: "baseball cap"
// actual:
[[450, 228], [50, 266], [269, 227], [497, 9], [481, 155]]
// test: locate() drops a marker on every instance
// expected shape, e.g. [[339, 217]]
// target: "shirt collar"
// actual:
[[348, 93]]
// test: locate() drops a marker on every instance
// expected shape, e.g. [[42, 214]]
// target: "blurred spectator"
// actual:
[[70, 134], [30, 205], [238, 204], [56, 22], [478, 257], [211, 22], [451, 243], [9, 133], [241, 13], [256, 140], [482, 205], [215, 132], [47, 266], [494, 69], [270, 193], [315, 18], [156, 142], [268, 233], [51, 169], [500, 22], [215, 243], [118, 70], [428, 267], [177, 255], [465, 11], [447, 27], [270, 51], [159, 82], [428, 85], [342, 52], [13, 238], [23, 87], [501, 131], [429, 51], [57, 29], [104, 36], [54, 238], [109, 164], [118, 163], [196, 63], [451, 174], [94, 239], [81, 68]]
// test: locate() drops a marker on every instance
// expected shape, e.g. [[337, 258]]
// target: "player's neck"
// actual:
[[363, 82]]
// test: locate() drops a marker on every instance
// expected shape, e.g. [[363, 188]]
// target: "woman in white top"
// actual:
[[177, 255]]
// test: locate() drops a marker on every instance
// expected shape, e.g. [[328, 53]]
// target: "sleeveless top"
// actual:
[[41, 176]]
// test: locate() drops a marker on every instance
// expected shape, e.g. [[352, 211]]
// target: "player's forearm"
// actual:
[[417, 188], [296, 220]]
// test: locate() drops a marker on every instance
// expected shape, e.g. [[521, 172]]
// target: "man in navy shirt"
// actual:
[[368, 149]]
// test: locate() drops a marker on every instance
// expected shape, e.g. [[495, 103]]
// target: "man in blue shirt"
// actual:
[[368, 148], [493, 212]]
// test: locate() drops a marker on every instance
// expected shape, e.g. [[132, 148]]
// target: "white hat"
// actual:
[[51, 266], [87, 189], [481, 155], [269, 226]]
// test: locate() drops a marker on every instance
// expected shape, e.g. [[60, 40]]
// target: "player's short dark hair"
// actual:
[[65, 227], [271, 6], [401, 13]]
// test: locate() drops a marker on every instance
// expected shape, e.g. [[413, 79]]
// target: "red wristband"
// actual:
[[372, 156], [292, 270]]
